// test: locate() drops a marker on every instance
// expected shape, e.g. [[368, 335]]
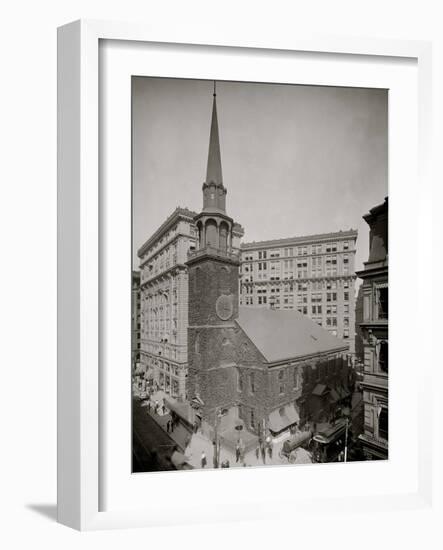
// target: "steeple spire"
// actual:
[[214, 170]]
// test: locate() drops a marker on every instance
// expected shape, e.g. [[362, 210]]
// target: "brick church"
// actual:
[[257, 372]]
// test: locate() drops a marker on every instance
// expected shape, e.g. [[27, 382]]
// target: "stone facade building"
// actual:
[[164, 302], [314, 275], [375, 335]]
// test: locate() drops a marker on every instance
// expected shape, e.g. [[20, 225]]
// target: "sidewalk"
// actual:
[[193, 444], [199, 444], [179, 434]]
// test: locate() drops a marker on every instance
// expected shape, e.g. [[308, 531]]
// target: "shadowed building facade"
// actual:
[[374, 329], [164, 302]]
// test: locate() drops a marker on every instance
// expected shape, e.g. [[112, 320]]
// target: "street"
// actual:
[[151, 446]]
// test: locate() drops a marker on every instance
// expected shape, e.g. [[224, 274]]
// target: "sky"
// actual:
[[296, 160]]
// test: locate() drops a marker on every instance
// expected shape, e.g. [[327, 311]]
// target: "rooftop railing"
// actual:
[[231, 254]]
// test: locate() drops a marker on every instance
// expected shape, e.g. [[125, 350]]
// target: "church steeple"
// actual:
[[214, 193], [214, 169], [215, 227], [213, 275]]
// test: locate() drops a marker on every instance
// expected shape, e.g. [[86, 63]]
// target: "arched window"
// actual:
[[224, 236], [211, 234], [383, 356], [383, 423], [200, 234]]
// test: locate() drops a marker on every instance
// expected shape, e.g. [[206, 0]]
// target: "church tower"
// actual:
[[213, 275]]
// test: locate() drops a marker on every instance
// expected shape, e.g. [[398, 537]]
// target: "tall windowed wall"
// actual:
[[314, 275], [164, 302]]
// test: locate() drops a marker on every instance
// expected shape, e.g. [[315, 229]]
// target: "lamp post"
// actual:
[[346, 414], [218, 414]]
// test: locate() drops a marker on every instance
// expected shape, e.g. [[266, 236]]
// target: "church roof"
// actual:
[[286, 334]]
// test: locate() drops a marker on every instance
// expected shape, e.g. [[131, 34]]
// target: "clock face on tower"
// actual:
[[224, 307]]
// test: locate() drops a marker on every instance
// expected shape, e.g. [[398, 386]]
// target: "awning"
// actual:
[[320, 389], [181, 409], [343, 392], [334, 397], [282, 418], [292, 414]]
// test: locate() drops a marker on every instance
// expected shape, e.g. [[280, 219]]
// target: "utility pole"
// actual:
[[216, 446]]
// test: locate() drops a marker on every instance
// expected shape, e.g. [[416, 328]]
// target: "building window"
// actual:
[[252, 419], [239, 381], [296, 379], [346, 296], [331, 297], [383, 423], [383, 356], [281, 377], [382, 303]]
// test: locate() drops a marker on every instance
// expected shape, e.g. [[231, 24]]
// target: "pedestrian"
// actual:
[[242, 454], [163, 409], [237, 451], [168, 426], [257, 452], [171, 427], [270, 450], [263, 454], [203, 460], [214, 456]]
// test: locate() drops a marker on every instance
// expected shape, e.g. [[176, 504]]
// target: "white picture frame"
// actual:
[[80, 412]]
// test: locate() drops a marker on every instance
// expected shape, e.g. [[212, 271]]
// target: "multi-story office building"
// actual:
[[135, 320], [375, 335], [164, 302], [314, 275]]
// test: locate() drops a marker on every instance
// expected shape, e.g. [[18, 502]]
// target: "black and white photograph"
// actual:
[[259, 276]]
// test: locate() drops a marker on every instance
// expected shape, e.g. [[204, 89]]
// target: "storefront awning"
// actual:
[[181, 409], [282, 418], [334, 397], [320, 390], [343, 392]]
